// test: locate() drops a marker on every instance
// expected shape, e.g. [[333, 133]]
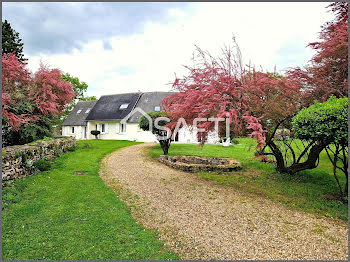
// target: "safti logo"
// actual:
[[181, 123]]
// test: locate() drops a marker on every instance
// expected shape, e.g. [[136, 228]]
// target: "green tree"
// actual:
[[159, 133], [327, 123], [79, 88], [88, 98], [11, 41]]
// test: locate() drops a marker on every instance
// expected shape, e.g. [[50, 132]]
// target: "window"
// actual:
[[124, 106], [87, 110], [123, 128], [72, 129], [120, 128], [104, 128], [157, 108], [96, 127], [79, 111]]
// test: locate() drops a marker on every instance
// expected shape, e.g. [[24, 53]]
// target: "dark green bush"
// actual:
[[234, 141], [326, 122], [95, 133], [71, 149], [42, 165], [144, 123]]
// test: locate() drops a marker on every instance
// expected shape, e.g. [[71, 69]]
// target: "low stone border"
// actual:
[[197, 164], [17, 161]]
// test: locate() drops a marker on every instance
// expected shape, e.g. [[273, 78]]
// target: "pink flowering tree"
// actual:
[[326, 73], [222, 87], [28, 99], [213, 88], [260, 102]]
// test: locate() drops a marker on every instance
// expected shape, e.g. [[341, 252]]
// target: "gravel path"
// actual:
[[201, 220]]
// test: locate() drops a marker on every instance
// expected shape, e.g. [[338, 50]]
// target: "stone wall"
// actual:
[[197, 164], [17, 161]]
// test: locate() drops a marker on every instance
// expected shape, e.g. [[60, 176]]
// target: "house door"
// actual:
[[85, 132]]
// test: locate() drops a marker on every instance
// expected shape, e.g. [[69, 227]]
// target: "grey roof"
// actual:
[[108, 107], [148, 102], [75, 119]]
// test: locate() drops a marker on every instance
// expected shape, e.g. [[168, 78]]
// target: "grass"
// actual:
[[55, 215], [313, 191]]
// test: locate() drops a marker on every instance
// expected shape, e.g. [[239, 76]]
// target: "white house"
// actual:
[[75, 124], [107, 113]]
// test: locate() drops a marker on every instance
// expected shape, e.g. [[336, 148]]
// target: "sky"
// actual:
[[130, 47]]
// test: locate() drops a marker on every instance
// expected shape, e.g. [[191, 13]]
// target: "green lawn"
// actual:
[[56, 215], [313, 191]]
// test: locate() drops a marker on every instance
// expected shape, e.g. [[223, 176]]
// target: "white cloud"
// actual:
[[269, 34]]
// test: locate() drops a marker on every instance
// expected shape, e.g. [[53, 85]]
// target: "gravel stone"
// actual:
[[201, 220]]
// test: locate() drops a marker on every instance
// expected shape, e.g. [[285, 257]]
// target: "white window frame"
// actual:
[[88, 110], [117, 128], [79, 111], [124, 106], [105, 125], [123, 130], [157, 107]]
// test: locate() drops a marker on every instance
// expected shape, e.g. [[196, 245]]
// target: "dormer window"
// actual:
[[87, 110], [157, 108], [79, 111], [124, 106]]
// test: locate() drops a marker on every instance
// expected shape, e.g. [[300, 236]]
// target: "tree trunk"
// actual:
[[165, 144], [346, 186], [280, 167], [310, 163]]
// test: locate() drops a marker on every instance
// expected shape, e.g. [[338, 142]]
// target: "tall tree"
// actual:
[[29, 100], [79, 89], [222, 86], [11, 41], [327, 71]]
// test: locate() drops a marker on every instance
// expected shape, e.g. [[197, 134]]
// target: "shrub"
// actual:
[[95, 133], [145, 125], [42, 165], [71, 149], [326, 121]]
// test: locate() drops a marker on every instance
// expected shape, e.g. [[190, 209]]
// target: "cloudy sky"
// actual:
[[127, 47]]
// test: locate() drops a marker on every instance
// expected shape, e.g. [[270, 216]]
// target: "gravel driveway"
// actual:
[[201, 220]]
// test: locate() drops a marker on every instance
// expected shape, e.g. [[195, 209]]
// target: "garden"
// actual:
[[282, 135]]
